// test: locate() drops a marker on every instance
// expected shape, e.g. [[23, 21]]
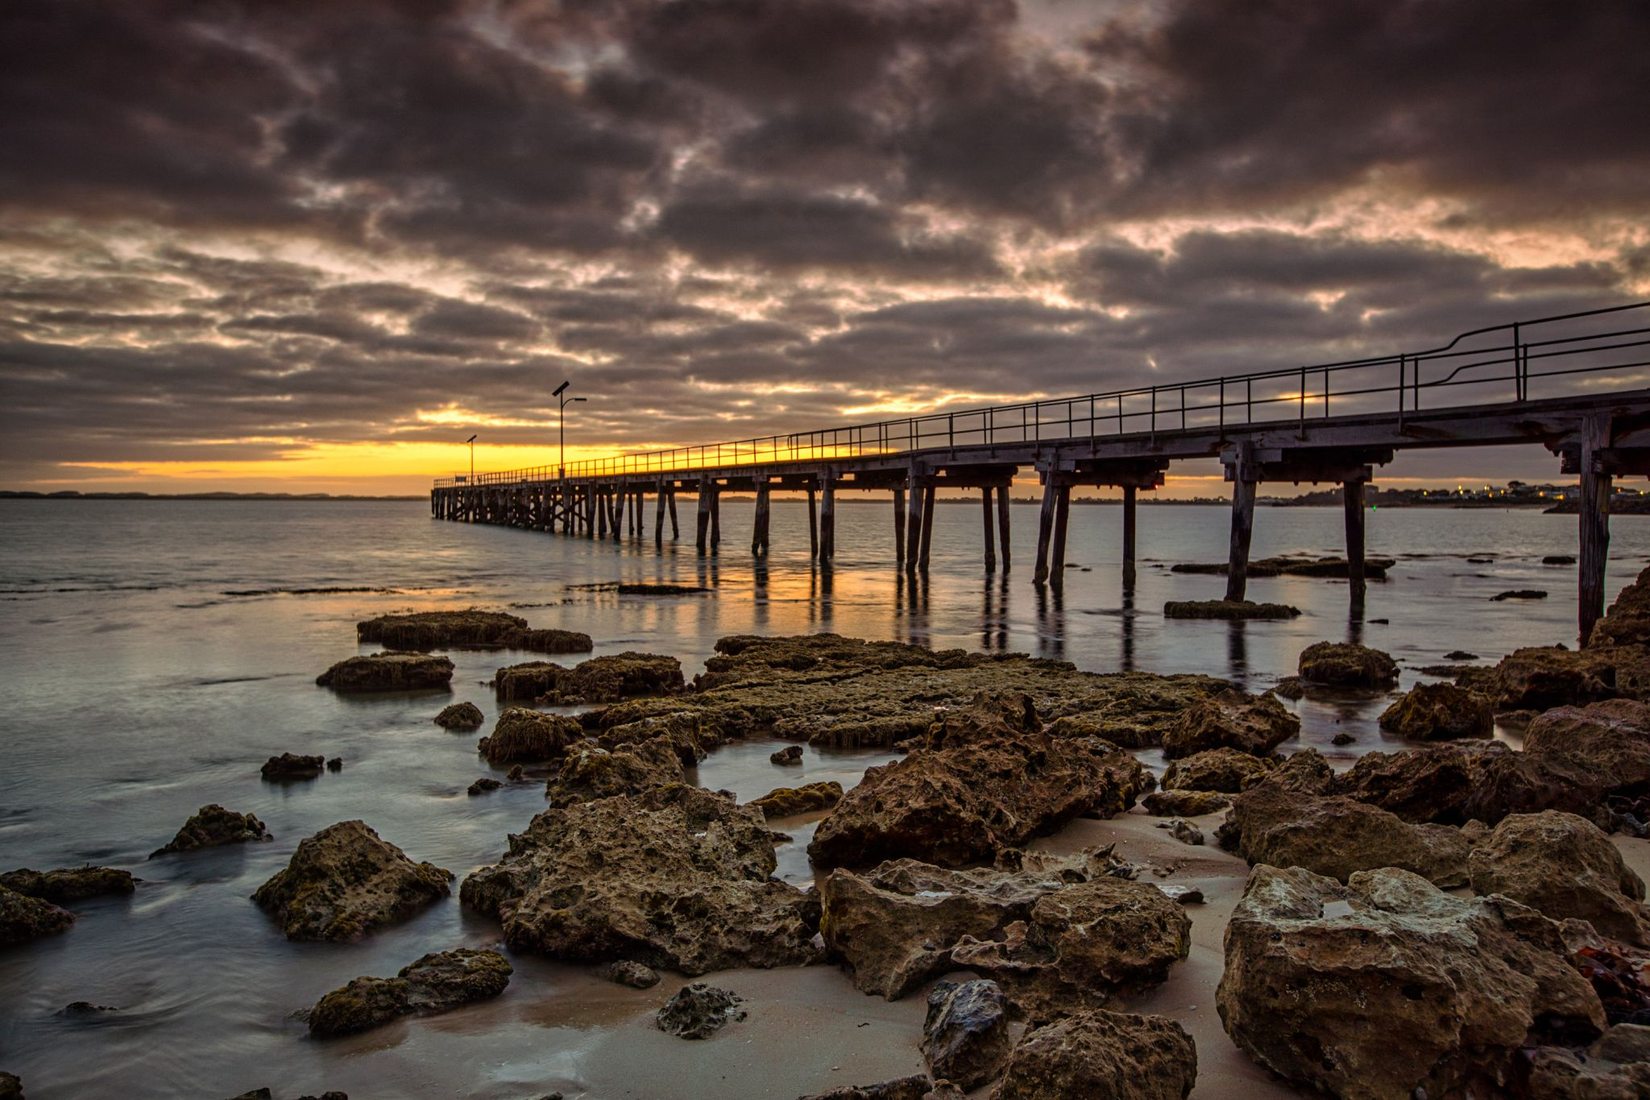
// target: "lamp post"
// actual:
[[560, 394], [472, 442]]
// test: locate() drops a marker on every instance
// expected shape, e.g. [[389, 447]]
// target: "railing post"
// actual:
[[1303, 401], [1403, 364], [1223, 403], [1519, 383]]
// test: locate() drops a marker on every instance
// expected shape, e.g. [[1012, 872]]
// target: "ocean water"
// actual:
[[155, 653]]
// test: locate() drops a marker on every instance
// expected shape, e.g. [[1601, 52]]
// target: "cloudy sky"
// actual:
[[311, 246]]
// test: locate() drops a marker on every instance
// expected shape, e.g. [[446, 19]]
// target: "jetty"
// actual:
[[1573, 383]]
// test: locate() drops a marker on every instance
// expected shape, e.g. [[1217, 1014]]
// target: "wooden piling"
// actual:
[[990, 535], [702, 517], [601, 515], [1243, 526], [913, 519], [899, 527], [715, 517], [1595, 524], [813, 526], [1129, 493], [1352, 493], [1002, 523], [1062, 517], [659, 518], [1045, 528], [670, 497], [827, 522], [928, 492], [759, 528]]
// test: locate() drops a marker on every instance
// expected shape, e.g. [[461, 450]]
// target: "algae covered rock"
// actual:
[[986, 779], [1387, 985], [1222, 769], [590, 772], [291, 767], [674, 877], [1254, 724], [598, 680], [212, 826], [1439, 712], [1565, 867], [68, 884], [790, 801], [1230, 610], [1182, 803], [24, 918], [437, 982], [1347, 665], [475, 629], [529, 736], [388, 671], [346, 881], [460, 716], [1120, 1056]]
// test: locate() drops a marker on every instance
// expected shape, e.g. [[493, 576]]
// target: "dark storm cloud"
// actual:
[[826, 202]]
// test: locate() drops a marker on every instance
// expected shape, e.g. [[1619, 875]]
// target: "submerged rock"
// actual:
[[24, 918], [1564, 866], [460, 716], [482, 786], [212, 826], [67, 884], [965, 1036], [346, 881], [1439, 712], [590, 773], [1115, 1055], [1222, 769], [388, 671], [1387, 986], [1345, 665], [699, 1010], [675, 877], [292, 767], [529, 736], [598, 680], [435, 983], [790, 801], [1290, 565], [472, 628], [1254, 724], [633, 974], [1227, 609], [790, 755], [986, 778], [1519, 594]]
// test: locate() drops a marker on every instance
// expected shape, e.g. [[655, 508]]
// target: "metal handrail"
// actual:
[[1090, 416]]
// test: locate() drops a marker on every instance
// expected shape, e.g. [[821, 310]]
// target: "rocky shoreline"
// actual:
[[1458, 917]]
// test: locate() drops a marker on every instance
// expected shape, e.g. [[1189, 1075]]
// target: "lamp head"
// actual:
[[557, 392], [578, 399], [472, 439]]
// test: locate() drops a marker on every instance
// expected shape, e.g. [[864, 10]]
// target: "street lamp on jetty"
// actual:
[[560, 394]]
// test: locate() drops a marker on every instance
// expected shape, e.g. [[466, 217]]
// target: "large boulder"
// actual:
[[1347, 665], [1387, 986], [212, 826], [1610, 740], [1290, 820], [1183, 803], [389, 671], [674, 877], [69, 884], [1114, 1055], [1564, 866], [523, 736], [987, 778], [1439, 712], [965, 1036], [590, 772], [599, 680], [1255, 724], [1628, 620], [472, 629], [24, 918], [346, 881], [1456, 782], [435, 983], [1541, 677], [1224, 769]]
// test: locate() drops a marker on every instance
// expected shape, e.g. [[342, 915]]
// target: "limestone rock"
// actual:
[[1220, 769], [1254, 724], [598, 680], [1564, 866], [1439, 712], [1346, 665], [1542, 677], [23, 918], [1610, 740], [291, 766], [345, 881], [1185, 832], [435, 983], [699, 1010], [1628, 620], [1115, 1055], [965, 1036], [986, 778], [460, 716], [1184, 803], [1615, 1067], [212, 826], [633, 974], [1455, 782], [589, 773], [528, 736], [1387, 985], [790, 801], [388, 671], [69, 884], [472, 628], [674, 877]]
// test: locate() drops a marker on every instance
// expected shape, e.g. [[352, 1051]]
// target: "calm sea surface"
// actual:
[[155, 654]]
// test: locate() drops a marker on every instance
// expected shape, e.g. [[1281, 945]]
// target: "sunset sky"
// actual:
[[312, 246]]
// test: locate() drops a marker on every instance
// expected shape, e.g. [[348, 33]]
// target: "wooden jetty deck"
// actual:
[[1574, 384]]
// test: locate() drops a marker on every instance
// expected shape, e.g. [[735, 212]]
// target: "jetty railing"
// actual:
[[1515, 362]]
